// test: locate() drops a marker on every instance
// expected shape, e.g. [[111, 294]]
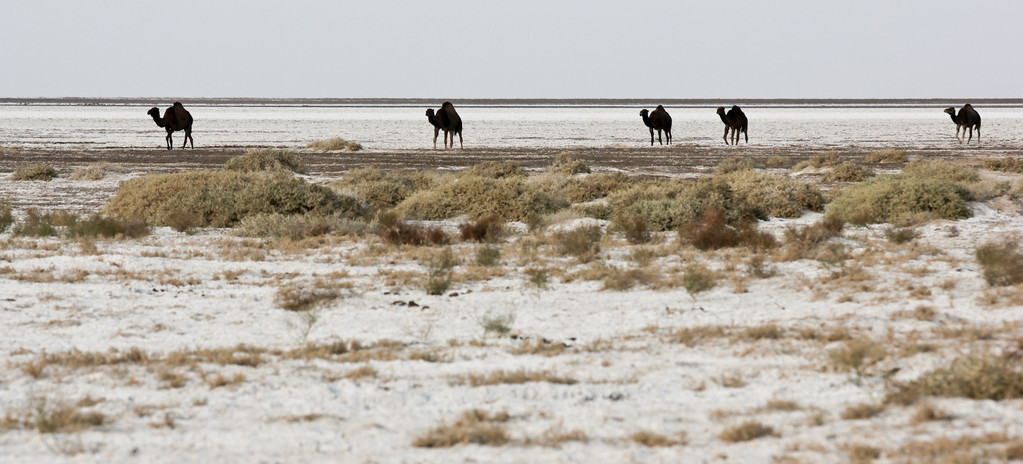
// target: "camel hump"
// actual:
[[660, 107]]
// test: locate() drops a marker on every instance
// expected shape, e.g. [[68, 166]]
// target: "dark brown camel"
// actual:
[[174, 119], [448, 121], [967, 118], [659, 120], [735, 120], [436, 125]]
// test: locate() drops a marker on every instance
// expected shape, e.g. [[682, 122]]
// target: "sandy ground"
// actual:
[[226, 374]]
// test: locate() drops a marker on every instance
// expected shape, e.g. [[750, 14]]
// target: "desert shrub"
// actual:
[[565, 165], [305, 295], [591, 187], [803, 242], [847, 172], [6, 214], [900, 235], [941, 170], [538, 277], [635, 228], [438, 272], [734, 164], [494, 170], [888, 156], [334, 144], [382, 189], [1007, 164], [98, 225], [1002, 262], [667, 204], [474, 427], [581, 242], [767, 195], [294, 226], [862, 411], [711, 232], [267, 159], [488, 229], [818, 161], [857, 355], [778, 161], [94, 171], [509, 197], [697, 279], [979, 377], [623, 279], [221, 199], [38, 171], [36, 224], [749, 430], [488, 255], [900, 200], [394, 231]]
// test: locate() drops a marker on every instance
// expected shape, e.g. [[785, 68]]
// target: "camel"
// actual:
[[445, 119], [658, 119], [967, 118], [174, 119], [735, 120]]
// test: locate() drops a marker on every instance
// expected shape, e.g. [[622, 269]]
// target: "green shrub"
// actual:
[[494, 170], [667, 204], [697, 279], [901, 201], [818, 161], [38, 171], [221, 199], [6, 215], [941, 170], [734, 164], [438, 272], [1007, 164], [267, 159], [588, 188], [565, 165], [98, 225], [979, 377], [382, 189], [334, 144], [889, 156], [510, 197], [1001, 261], [847, 172], [768, 195], [488, 255], [581, 242]]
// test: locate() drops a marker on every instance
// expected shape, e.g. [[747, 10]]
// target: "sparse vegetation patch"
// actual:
[[38, 171], [267, 159]]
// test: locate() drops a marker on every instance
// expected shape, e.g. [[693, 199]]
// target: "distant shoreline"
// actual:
[[514, 102]]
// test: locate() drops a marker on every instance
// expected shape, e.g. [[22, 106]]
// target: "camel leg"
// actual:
[[957, 134], [659, 142], [170, 141], [971, 135], [460, 140], [668, 133], [436, 131], [651, 136], [978, 136], [725, 137], [746, 133]]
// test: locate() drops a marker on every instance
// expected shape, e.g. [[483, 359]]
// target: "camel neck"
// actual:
[[159, 122]]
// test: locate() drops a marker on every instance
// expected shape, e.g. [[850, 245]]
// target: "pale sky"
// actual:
[[512, 49]]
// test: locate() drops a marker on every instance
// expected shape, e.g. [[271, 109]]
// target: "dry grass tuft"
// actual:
[[712, 233], [489, 229], [635, 227], [861, 454], [818, 161], [857, 354], [888, 156], [474, 427], [582, 242], [48, 418], [94, 171], [653, 439], [1007, 164], [6, 214], [519, 376], [981, 377], [697, 279], [847, 172], [306, 295], [862, 411], [806, 241], [268, 159], [565, 165], [334, 144], [747, 431], [38, 171], [1001, 261], [394, 231]]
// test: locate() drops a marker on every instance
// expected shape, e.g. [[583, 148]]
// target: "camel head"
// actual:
[[429, 112], [721, 110], [154, 112], [951, 110], [643, 112]]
